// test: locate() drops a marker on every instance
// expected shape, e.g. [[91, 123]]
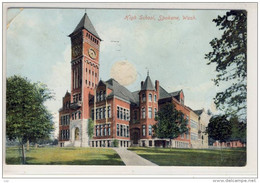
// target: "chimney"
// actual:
[[157, 85]]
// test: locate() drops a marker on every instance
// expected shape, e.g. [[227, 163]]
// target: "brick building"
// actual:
[[117, 112]]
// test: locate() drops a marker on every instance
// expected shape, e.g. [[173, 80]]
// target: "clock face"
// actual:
[[92, 53]]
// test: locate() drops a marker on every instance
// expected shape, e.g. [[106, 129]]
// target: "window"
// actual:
[[97, 97], [96, 130], [187, 135], [143, 97], [101, 95], [124, 134], [101, 130], [109, 111], [193, 124], [155, 112], [143, 130], [108, 130], [127, 115], [75, 115], [124, 115], [104, 112], [92, 114], [150, 130], [97, 113], [118, 115], [135, 115], [79, 115], [182, 135], [121, 113], [143, 113], [121, 130], [150, 112], [101, 113], [193, 136], [105, 132], [127, 131], [150, 97], [117, 129], [72, 116], [155, 98]]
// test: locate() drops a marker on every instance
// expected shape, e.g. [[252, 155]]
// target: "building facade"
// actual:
[[118, 114]]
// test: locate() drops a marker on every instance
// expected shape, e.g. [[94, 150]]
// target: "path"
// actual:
[[130, 158]]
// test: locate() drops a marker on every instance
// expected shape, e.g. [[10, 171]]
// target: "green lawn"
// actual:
[[65, 156], [193, 157]]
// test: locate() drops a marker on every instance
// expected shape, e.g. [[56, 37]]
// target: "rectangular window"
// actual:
[[135, 115], [108, 130], [182, 135], [109, 111], [127, 115], [150, 130], [124, 114], [124, 134], [72, 116], [104, 112], [143, 97], [155, 98], [92, 114], [117, 129], [101, 113], [143, 130], [105, 132], [193, 124], [97, 113], [187, 135], [121, 113], [150, 112], [118, 115], [121, 130], [75, 115], [127, 131], [96, 130], [155, 112], [101, 130]]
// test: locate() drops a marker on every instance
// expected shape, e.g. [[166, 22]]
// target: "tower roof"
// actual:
[[148, 85], [85, 23]]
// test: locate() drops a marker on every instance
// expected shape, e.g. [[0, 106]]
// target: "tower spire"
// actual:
[[148, 72]]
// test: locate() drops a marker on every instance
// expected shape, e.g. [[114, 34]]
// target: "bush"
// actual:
[[115, 143]]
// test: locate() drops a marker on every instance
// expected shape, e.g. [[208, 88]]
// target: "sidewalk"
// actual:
[[132, 159]]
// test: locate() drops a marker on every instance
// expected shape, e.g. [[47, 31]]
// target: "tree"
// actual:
[[90, 128], [230, 56], [238, 131], [27, 119], [171, 122], [219, 128]]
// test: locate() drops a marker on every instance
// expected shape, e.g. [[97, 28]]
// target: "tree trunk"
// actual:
[[221, 153], [28, 145], [23, 155], [35, 145]]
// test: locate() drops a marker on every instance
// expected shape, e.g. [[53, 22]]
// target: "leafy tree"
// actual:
[[219, 128], [230, 56], [171, 122], [90, 128], [238, 130], [27, 119]]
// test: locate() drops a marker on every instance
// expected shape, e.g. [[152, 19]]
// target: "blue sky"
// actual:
[[38, 47]]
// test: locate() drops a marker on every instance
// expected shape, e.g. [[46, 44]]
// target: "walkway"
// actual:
[[130, 158]]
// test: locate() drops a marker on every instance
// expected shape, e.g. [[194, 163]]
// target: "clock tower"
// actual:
[[85, 45]]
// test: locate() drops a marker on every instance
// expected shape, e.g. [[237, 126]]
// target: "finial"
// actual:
[[148, 72], [85, 10]]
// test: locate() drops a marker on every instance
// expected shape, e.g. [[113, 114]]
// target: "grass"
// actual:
[[193, 157], [64, 156]]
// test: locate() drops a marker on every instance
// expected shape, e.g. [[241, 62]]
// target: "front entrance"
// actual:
[[135, 136], [77, 133]]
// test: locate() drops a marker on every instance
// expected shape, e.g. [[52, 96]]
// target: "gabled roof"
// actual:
[[85, 23], [176, 93], [198, 112], [120, 91], [148, 85]]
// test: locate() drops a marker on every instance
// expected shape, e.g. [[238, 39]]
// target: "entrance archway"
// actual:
[[77, 133]]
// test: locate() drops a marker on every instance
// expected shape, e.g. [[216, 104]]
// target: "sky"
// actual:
[[133, 42]]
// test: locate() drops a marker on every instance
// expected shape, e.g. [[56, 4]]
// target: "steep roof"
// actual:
[[163, 93], [148, 85], [85, 23], [120, 91]]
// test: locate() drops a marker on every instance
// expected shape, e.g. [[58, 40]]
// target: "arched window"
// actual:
[[150, 97], [155, 98], [143, 97], [101, 95], [143, 113], [77, 133]]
